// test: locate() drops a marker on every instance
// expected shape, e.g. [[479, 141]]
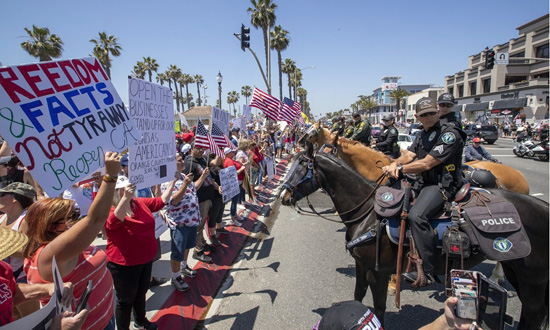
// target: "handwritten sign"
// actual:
[[221, 119], [239, 123], [229, 183], [61, 117], [153, 159]]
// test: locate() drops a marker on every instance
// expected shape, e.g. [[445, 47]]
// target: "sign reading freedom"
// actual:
[[61, 117], [153, 159]]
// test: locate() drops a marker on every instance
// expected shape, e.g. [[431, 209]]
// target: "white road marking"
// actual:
[[539, 194]]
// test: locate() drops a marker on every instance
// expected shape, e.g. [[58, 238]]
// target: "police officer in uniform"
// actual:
[[334, 124], [387, 140], [445, 104], [339, 128], [436, 155], [361, 130], [348, 132]]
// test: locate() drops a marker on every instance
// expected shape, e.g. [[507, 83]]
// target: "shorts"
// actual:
[[183, 238]]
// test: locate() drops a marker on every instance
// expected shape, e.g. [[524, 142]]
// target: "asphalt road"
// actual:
[[289, 279]]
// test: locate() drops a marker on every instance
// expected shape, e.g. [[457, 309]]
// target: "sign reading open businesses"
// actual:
[[61, 117]]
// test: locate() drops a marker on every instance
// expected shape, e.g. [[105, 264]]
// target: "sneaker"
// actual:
[[202, 257], [215, 241], [179, 284], [234, 223], [187, 271], [156, 281], [146, 325], [241, 207]]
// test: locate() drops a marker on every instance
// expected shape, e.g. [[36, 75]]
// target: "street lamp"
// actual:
[[204, 87], [307, 67], [219, 79]]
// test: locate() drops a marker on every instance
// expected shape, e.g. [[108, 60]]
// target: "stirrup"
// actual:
[[416, 262]]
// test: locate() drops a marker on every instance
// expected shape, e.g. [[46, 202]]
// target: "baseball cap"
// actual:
[[121, 182], [124, 160], [446, 98], [350, 120], [227, 150], [476, 139], [19, 188], [185, 148], [388, 117], [356, 115], [349, 315], [424, 105], [5, 160]]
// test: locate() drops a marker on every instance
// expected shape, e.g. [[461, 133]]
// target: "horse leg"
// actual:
[[498, 274], [378, 282], [360, 282]]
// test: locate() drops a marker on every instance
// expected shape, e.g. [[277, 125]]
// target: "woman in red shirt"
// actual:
[[131, 247]]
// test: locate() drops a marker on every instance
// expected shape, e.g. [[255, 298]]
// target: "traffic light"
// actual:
[[489, 59], [245, 37]]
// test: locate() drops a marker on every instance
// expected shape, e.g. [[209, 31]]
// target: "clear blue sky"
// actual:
[[352, 43]]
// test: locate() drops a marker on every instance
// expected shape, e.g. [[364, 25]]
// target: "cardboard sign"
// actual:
[[229, 183], [152, 160], [183, 120], [270, 168], [221, 119], [160, 224], [61, 117], [247, 112]]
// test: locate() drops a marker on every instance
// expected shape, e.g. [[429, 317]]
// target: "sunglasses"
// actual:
[[427, 114], [446, 105]]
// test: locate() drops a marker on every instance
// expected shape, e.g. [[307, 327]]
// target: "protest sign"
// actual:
[[160, 224], [239, 123], [183, 120], [221, 119], [247, 112], [178, 128], [61, 117], [270, 169], [229, 183], [153, 159]]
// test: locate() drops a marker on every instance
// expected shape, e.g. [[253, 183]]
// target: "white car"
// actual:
[[404, 141]]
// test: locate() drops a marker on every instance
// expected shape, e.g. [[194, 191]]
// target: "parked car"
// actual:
[[375, 131], [489, 133], [404, 141], [415, 127]]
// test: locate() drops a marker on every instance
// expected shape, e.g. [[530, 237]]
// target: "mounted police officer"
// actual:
[[362, 130], [339, 128], [445, 104], [348, 132], [387, 139], [436, 155]]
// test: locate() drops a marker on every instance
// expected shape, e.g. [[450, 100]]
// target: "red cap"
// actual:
[[476, 139], [186, 137]]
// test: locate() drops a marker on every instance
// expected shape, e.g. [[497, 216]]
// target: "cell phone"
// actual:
[[84, 298], [492, 300], [464, 285]]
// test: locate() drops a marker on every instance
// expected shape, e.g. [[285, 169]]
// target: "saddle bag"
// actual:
[[389, 201], [456, 244], [494, 226]]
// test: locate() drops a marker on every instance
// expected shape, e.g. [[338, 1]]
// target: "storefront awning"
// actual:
[[457, 108], [477, 106], [510, 104]]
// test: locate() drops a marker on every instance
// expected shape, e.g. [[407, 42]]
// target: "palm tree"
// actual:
[[139, 70], [398, 95], [302, 94], [173, 73], [199, 80], [246, 91], [296, 80], [289, 67], [367, 104], [150, 65], [187, 79], [232, 98], [279, 42], [106, 46], [43, 45], [263, 16], [161, 78]]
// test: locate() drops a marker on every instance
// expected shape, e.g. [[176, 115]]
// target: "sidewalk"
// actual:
[[173, 309]]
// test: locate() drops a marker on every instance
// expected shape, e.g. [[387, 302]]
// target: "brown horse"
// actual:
[[363, 159], [350, 194]]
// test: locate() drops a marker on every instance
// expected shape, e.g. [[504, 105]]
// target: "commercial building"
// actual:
[[517, 89]]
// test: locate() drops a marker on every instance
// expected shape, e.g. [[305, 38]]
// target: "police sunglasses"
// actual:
[[428, 114], [446, 105]]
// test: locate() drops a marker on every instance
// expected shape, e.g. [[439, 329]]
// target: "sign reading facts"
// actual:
[[152, 160], [61, 117]]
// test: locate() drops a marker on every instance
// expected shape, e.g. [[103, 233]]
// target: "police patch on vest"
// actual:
[[393, 131], [502, 244], [387, 196], [432, 136], [448, 138], [439, 149]]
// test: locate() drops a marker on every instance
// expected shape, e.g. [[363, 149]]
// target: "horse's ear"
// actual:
[[334, 138], [309, 149]]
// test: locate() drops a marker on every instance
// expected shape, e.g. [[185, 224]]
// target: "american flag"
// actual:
[[300, 119], [220, 138], [290, 111], [204, 140], [265, 102]]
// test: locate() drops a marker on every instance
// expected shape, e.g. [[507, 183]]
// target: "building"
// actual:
[[386, 104], [517, 90], [432, 92]]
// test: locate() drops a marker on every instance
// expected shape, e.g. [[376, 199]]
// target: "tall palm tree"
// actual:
[[246, 91], [161, 78], [398, 95], [199, 80], [232, 98], [173, 74], [367, 104], [150, 66], [296, 80], [105, 46], [187, 79], [302, 94], [263, 16], [289, 67], [43, 45], [139, 70], [279, 42]]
